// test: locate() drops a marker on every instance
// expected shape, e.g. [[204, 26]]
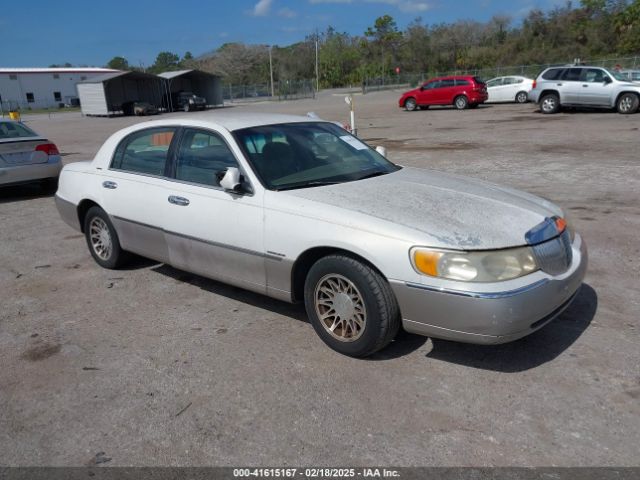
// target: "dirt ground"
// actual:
[[155, 366]]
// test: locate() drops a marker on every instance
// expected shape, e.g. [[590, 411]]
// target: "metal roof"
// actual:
[[57, 70], [178, 73], [116, 74]]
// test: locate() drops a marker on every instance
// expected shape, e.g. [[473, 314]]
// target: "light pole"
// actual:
[[317, 69], [271, 72]]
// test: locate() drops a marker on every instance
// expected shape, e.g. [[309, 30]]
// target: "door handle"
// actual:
[[110, 185], [559, 84], [181, 201], [585, 86]]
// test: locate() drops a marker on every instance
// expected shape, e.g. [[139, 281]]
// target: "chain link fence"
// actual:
[[531, 71], [283, 90]]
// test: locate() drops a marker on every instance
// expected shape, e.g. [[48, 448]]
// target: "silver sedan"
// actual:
[[25, 156], [302, 211]]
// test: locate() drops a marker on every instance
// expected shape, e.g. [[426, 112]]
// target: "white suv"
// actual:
[[582, 86]]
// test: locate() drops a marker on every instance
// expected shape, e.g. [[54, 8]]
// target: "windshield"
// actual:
[[15, 130], [618, 76], [300, 155]]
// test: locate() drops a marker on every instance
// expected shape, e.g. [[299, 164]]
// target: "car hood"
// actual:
[[440, 210]]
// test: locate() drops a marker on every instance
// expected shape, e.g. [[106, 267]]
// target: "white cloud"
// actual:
[[262, 8], [287, 13]]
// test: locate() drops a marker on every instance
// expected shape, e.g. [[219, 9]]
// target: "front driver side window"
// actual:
[[202, 158]]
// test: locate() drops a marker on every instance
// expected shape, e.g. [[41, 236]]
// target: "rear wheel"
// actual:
[[410, 104], [461, 102], [350, 305], [102, 239], [522, 97], [550, 103], [627, 103]]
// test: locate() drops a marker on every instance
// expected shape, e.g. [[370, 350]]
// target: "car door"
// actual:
[[427, 93], [494, 89], [509, 89], [210, 231], [133, 190], [446, 92], [570, 87], [597, 87]]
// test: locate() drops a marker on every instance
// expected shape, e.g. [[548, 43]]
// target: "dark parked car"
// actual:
[[139, 108], [462, 91], [188, 101]]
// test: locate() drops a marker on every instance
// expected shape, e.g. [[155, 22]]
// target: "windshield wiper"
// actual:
[[372, 174], [317, 183]]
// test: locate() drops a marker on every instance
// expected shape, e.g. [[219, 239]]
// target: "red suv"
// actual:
[[462, 91]]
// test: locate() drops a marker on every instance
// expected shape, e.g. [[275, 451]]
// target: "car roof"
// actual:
[[228, 120]]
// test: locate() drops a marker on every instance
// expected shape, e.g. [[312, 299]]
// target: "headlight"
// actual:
[[486, 266], [191, 100]]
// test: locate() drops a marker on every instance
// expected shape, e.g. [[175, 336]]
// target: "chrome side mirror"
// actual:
[[231, 180], [381, 150]]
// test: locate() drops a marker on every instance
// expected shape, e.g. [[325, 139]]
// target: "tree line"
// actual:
[[591, 30]]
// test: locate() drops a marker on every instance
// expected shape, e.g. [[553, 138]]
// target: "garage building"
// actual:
[[105, 94], [200, 83], [25, 88]]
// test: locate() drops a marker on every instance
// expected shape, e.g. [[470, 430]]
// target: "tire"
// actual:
[[461, 102], [104, 247], [186, 108], [549, 103], [522, 97], [627, 103], [342, 284], [410, 104]]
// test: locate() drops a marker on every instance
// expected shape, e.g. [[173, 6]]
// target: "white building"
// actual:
[[26, 88]]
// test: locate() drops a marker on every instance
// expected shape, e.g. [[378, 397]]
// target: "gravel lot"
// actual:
[[155, 366]]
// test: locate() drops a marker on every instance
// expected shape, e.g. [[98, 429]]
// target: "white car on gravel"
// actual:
[[300, 210]]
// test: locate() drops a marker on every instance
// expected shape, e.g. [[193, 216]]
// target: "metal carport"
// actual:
[[203, 84], [105, 94]]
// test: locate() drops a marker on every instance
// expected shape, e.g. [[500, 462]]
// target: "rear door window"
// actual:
[[144, 152], [462, 83], [572, 74], [553, 74], [447, 83]]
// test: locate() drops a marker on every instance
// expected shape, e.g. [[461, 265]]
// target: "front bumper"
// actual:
[[490, 317], [11, 175]]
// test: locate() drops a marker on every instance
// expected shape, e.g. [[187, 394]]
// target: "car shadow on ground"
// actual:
[[295, 311], [29, 191], [404, 343], [530, 352]]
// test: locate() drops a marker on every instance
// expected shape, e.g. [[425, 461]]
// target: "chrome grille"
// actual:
[[554, 256]]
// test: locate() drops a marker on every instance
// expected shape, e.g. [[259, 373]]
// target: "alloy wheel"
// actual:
[[100, 238], [340, 307]]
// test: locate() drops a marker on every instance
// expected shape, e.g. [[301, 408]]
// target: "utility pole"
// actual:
[[317, 69], [271, 72]]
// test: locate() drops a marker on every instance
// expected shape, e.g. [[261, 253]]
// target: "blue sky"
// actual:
[[91, 33]]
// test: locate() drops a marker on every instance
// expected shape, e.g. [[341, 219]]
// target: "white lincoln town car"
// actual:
[[300, 210]]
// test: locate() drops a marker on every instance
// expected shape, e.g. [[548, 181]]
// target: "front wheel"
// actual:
[[461, 102], [186, 108], [522, 97], [102, 239], [550, 103], [627, 103], [410, 104], [350, 306]]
